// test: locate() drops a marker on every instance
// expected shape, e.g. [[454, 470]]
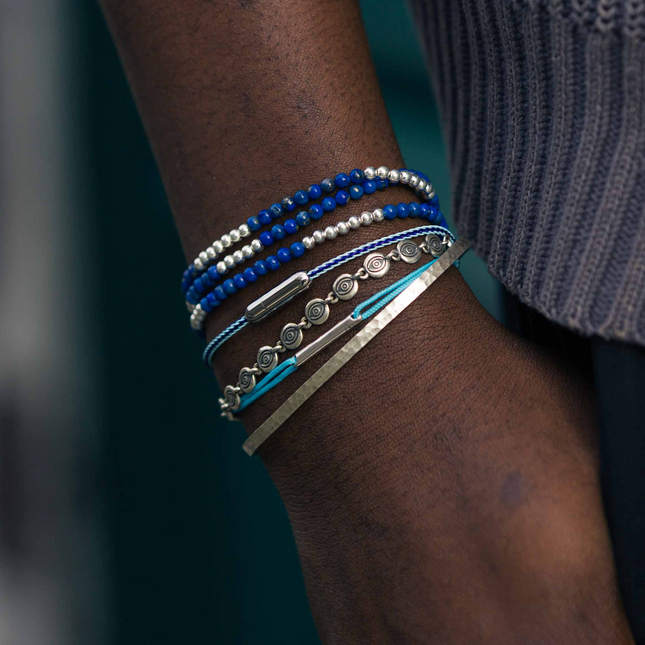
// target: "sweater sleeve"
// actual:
[[543, 110]]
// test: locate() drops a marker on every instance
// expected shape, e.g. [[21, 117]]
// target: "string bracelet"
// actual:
[[351, 348], [219, 294], [316, 312], [361, 313], [299, 282], [358, 183]]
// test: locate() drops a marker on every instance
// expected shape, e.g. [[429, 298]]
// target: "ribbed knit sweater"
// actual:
[[543, 107]]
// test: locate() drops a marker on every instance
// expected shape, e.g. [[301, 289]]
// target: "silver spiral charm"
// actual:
[[345, 287], [291, 336], [231, 398], [246, 380], [267, 359], [408, 251], [317, 311], [376, 265], [436, 247]]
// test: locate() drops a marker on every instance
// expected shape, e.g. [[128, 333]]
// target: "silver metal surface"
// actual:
[[345, 286], [317, 311], [326, 339], [267, 358], [277, 297], [344, 355], [246, 379], [291, 336], [376, 265], [408, 251]]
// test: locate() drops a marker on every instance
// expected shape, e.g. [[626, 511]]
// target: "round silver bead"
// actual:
[[354, 222], [319, 237], [370, 172], [378, 215], [331, 232], [422, 185], [238, 257], [343, 228], [226, 241], [244, 230], [203, 256], [195, 324], [199, 265], [247, 251], [229, 261], [382, 172], [428, 189], [414, 180], [221, 267], [218, 246], [235, 235], [308, 242], [257, 246], [190, 307], [366, 218], [393, 176], [210, 252], [404, 177]]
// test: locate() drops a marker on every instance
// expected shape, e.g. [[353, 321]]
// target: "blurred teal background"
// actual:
[[159, 529]]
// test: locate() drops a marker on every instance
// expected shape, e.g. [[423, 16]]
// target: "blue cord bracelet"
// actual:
[[325, 267]]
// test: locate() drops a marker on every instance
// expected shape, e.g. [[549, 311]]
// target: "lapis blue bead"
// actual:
[[284, 255], [213, 274], [341, 197], [278, 233], [382, 184], [302, 218], [198, 285], [253, 223], [414, 209], [443, 221], [301, 198], [314, 191], [239, 281], [265, 217], [276, 210], [435, 201], [433, 215], [402, 210], [356, 191], [425, 209], [357, 176], [390, 212], [342, 180], [272, 262], [250, 275], [297, 249], [206, 280], [327, 185], [316, 211], [220, 293], [229, 287], [213, 301], [260, 267], [192, 296], [288, 204], [328, 204], [205, 305], [266, 238], [369, 187], [290, 226]]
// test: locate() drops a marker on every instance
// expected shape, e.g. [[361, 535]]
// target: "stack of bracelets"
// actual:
[[206, 283]]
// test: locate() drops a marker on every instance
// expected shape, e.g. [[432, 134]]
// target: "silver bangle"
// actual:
[[360, 340], [345, 287]]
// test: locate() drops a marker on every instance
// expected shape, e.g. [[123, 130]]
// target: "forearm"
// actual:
[[391, 471]]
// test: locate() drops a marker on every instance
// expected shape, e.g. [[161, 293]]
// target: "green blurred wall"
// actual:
[[200, 546]]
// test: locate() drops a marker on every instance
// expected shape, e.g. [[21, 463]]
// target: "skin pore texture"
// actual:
[[443, 487]]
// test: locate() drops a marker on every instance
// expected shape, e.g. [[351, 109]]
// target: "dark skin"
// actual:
[[443, 487]]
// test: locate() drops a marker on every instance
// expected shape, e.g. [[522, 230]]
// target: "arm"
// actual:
[[445, 481]]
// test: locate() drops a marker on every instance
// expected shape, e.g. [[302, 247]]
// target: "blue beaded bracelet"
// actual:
[[201, 303], [360, 183], [325, 267]]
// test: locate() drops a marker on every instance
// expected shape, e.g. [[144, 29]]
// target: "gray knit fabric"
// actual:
[[543, 106]]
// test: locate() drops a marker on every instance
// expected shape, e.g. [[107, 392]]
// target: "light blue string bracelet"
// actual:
[[316, 312], [299, 282], [362, 312]]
